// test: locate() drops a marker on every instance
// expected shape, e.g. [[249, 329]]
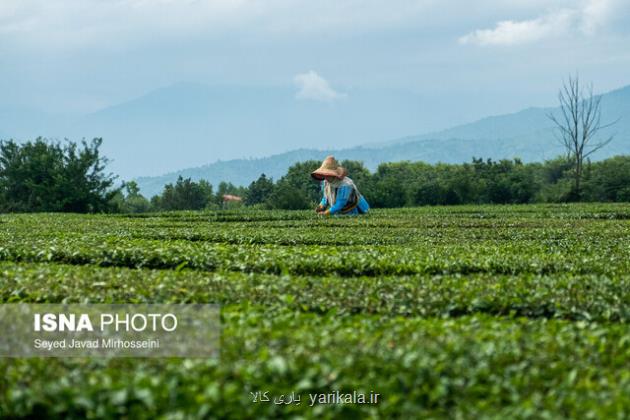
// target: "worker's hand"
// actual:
[[320, 209], [325, 213]]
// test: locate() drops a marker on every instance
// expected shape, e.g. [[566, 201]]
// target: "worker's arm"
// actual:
[[323, 203], [343, 194], [363, 205]]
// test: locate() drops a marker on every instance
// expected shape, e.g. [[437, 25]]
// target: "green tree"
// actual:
[[259, 190], [608, 180], [357, 172], [556, 181], [393, 184], [39, 176], [298, 178], [503, 182], [286, 196], [134, 202], [228, 188], [185, 194]]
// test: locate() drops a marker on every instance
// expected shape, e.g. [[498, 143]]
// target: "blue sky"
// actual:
[[471, 58]]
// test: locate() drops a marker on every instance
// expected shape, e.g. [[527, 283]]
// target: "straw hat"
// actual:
[[330, 167]]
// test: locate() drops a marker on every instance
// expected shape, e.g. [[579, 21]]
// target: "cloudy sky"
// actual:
[[473, 58]]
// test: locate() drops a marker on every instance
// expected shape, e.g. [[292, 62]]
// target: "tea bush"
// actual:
[[447, 312]]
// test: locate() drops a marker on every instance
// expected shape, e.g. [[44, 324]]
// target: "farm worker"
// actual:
[[341, 196]]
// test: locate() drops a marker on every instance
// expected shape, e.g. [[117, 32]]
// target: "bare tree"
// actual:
[[579, 125]]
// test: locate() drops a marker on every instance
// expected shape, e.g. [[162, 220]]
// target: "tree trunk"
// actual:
[[578, 178]]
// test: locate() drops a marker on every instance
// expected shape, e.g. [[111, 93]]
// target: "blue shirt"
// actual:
[[341, 200]]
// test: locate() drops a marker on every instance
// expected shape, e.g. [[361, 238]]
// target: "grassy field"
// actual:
[[458, 312]]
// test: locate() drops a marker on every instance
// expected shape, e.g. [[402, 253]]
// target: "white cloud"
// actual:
[[589, 17], [131, 24], [510, 32], [313, 86]]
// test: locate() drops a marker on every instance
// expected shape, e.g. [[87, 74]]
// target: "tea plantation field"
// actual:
[[446, 312]]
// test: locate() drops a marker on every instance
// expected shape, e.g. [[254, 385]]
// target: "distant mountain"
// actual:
[[244, 171], [528, 135], [190, 124]]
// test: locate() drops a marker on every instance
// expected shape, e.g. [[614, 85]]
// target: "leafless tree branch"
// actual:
[[578, 125]]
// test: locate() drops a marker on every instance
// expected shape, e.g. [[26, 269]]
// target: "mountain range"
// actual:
[[219, 133], [191, 124], [528, 135]]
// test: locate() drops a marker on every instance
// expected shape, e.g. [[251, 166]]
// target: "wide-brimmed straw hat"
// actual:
[[330, 167]]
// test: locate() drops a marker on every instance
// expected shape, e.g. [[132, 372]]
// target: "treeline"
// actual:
[[294, 191], [417, 184], [43, 176], [503, 182], [184, 194]]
